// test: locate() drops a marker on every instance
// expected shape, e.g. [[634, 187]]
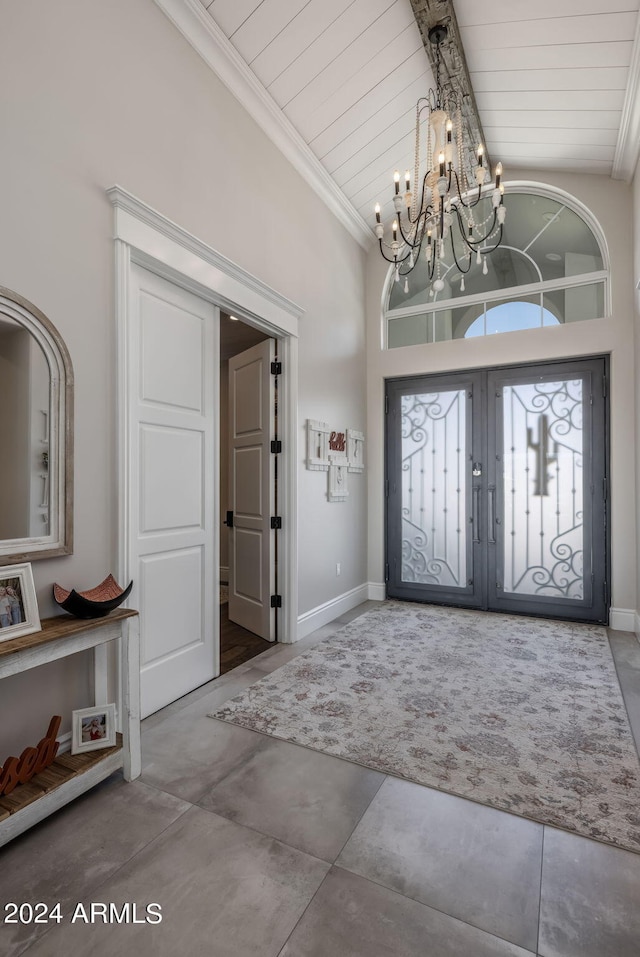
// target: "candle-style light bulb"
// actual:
[[441, 163], [480, 154], [396, 180], [498, 174], [395, 230], [377, 210], [407, 181], [449, 130]]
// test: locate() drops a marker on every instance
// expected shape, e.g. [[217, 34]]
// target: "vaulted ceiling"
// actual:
[[335, 84]]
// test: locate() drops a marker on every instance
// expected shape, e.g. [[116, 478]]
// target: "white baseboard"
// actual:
[[323, 614], [623, 619], [620, 619]]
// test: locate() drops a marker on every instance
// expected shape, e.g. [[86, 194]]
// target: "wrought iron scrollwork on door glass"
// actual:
[[543, 489], [434, 529]]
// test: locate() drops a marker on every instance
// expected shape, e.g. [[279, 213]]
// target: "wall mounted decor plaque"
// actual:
[[317, 445], [338, 490], [355, 450]]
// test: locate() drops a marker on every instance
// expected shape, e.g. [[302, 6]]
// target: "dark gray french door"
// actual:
[[496, 486]]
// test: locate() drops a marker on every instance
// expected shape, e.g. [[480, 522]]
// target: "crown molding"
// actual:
[[628, 145], [208, 40]]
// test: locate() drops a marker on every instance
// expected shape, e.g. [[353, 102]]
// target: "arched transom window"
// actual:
[[552, 268]]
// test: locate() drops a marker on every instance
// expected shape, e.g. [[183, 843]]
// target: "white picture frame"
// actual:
[[338, 491], [318, 445], [93, 728], [18, 604], [355, 450]]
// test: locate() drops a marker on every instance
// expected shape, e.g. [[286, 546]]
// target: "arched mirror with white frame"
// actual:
[[36, 434]]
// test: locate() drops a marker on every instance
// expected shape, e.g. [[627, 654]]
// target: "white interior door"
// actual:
[[252, 489], [173, 378]]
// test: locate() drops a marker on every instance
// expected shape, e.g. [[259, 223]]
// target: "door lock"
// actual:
[[477, 469]]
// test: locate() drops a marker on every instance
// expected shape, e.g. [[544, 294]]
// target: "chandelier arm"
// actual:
[[426, 214], [396, 261], [497, 244], [421, 209], [419, 235], [413, 265], [490, 231], [460, 199], [384, 255], [470, 244], [406, 239], [455, 259], [474, 244], [430, 272]]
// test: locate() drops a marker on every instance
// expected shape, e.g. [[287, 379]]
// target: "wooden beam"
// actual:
[[454, 74]]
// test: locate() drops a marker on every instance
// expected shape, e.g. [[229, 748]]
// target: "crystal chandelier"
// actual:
[[445, 211]]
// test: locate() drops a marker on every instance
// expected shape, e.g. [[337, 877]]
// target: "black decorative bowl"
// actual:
[[95, 602]]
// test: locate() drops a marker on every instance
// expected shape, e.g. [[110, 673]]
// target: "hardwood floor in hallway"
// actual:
[[237, 645]]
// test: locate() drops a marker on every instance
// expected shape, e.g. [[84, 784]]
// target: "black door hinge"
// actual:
[[604, 387], [276, 446], [386, 405], [276, 601], [276, 521], [276, 368], [386, 571], [386, 488]]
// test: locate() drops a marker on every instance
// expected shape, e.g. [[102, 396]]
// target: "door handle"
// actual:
[[475, 513], [491, 538], [229, 520]]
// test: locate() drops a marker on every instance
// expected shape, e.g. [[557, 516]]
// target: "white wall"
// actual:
[[610, 202], [94, 94], [636, 283]]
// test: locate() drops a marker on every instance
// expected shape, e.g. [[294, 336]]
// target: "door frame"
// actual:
[[145, 237], [601, 537]]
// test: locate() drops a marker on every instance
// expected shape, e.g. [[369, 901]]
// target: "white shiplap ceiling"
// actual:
[[335, 82]]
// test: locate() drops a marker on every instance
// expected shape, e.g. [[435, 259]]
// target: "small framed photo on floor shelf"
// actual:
[[18, 605], [93, 728]]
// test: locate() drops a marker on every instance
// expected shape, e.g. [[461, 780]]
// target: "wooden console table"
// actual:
[[72, 775]]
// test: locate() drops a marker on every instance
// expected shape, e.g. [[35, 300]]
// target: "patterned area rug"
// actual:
[[522, 714]]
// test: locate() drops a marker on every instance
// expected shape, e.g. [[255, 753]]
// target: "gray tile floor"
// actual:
[[255, 847]]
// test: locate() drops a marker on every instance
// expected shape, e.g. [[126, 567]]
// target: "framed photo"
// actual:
[[338, 491], [18, 605], [317, 445], [93, 728], [355, 450]]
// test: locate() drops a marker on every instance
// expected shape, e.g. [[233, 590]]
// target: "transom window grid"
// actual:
[[566, 298]]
